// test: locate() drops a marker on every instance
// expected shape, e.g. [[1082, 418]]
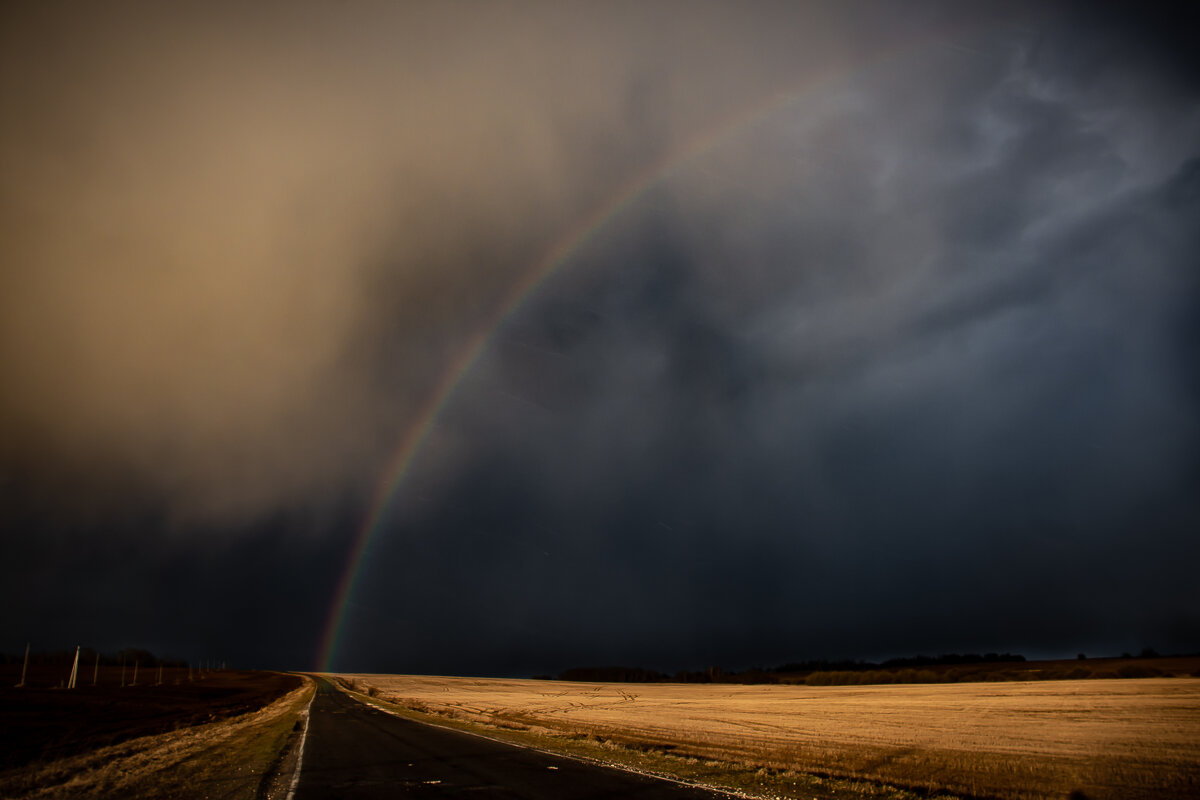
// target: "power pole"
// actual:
[[74, 669], [135, 666], [24, 668], [96, 671]]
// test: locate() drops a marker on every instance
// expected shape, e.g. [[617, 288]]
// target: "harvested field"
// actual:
[[40, 724], [1102, 738]]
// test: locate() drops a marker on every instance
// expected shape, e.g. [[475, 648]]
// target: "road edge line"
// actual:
[[291, 794]]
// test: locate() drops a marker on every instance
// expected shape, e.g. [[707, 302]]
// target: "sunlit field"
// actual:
[[1098, 738]]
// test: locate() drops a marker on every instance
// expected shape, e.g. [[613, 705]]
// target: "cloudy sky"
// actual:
[[752, 332]]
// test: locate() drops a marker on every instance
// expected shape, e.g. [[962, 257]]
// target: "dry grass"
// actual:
[[1103, 738], [227, 758]]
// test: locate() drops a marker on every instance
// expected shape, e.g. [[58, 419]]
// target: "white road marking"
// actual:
[[303, 738]]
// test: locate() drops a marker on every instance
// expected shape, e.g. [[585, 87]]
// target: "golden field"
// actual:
[[1098, 738]]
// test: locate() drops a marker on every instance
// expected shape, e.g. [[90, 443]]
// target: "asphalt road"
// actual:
[[355, 751]]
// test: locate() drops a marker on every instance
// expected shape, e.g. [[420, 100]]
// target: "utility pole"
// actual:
[[25, 668], [74, 670], [96, 671], [135, 666]]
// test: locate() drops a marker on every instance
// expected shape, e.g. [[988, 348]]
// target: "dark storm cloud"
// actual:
[[924, 387], [908, 363], [250, 600]]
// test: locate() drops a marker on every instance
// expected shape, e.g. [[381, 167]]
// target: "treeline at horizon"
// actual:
[[945, 668]]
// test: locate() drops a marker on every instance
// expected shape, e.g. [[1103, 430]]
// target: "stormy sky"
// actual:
[[876, 331]]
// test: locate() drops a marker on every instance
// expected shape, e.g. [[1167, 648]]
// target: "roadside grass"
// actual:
[[40, 723], [1082, 739], [242, 766], [740, 778], [232, 758]]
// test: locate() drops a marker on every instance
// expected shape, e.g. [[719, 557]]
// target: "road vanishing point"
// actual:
[[353, 750]]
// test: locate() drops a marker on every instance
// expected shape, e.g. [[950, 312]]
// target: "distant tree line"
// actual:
[[772, 675], [612, 675], [953, 659], [946, 668]]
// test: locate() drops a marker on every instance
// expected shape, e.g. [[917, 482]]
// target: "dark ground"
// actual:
[[356, 751], [42, 722]]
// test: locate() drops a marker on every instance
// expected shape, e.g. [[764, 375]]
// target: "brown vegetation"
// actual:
[[1097, 738], [41, 722], [239, 757]]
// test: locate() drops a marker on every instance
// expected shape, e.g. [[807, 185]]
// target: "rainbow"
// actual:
[[559, 254]]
